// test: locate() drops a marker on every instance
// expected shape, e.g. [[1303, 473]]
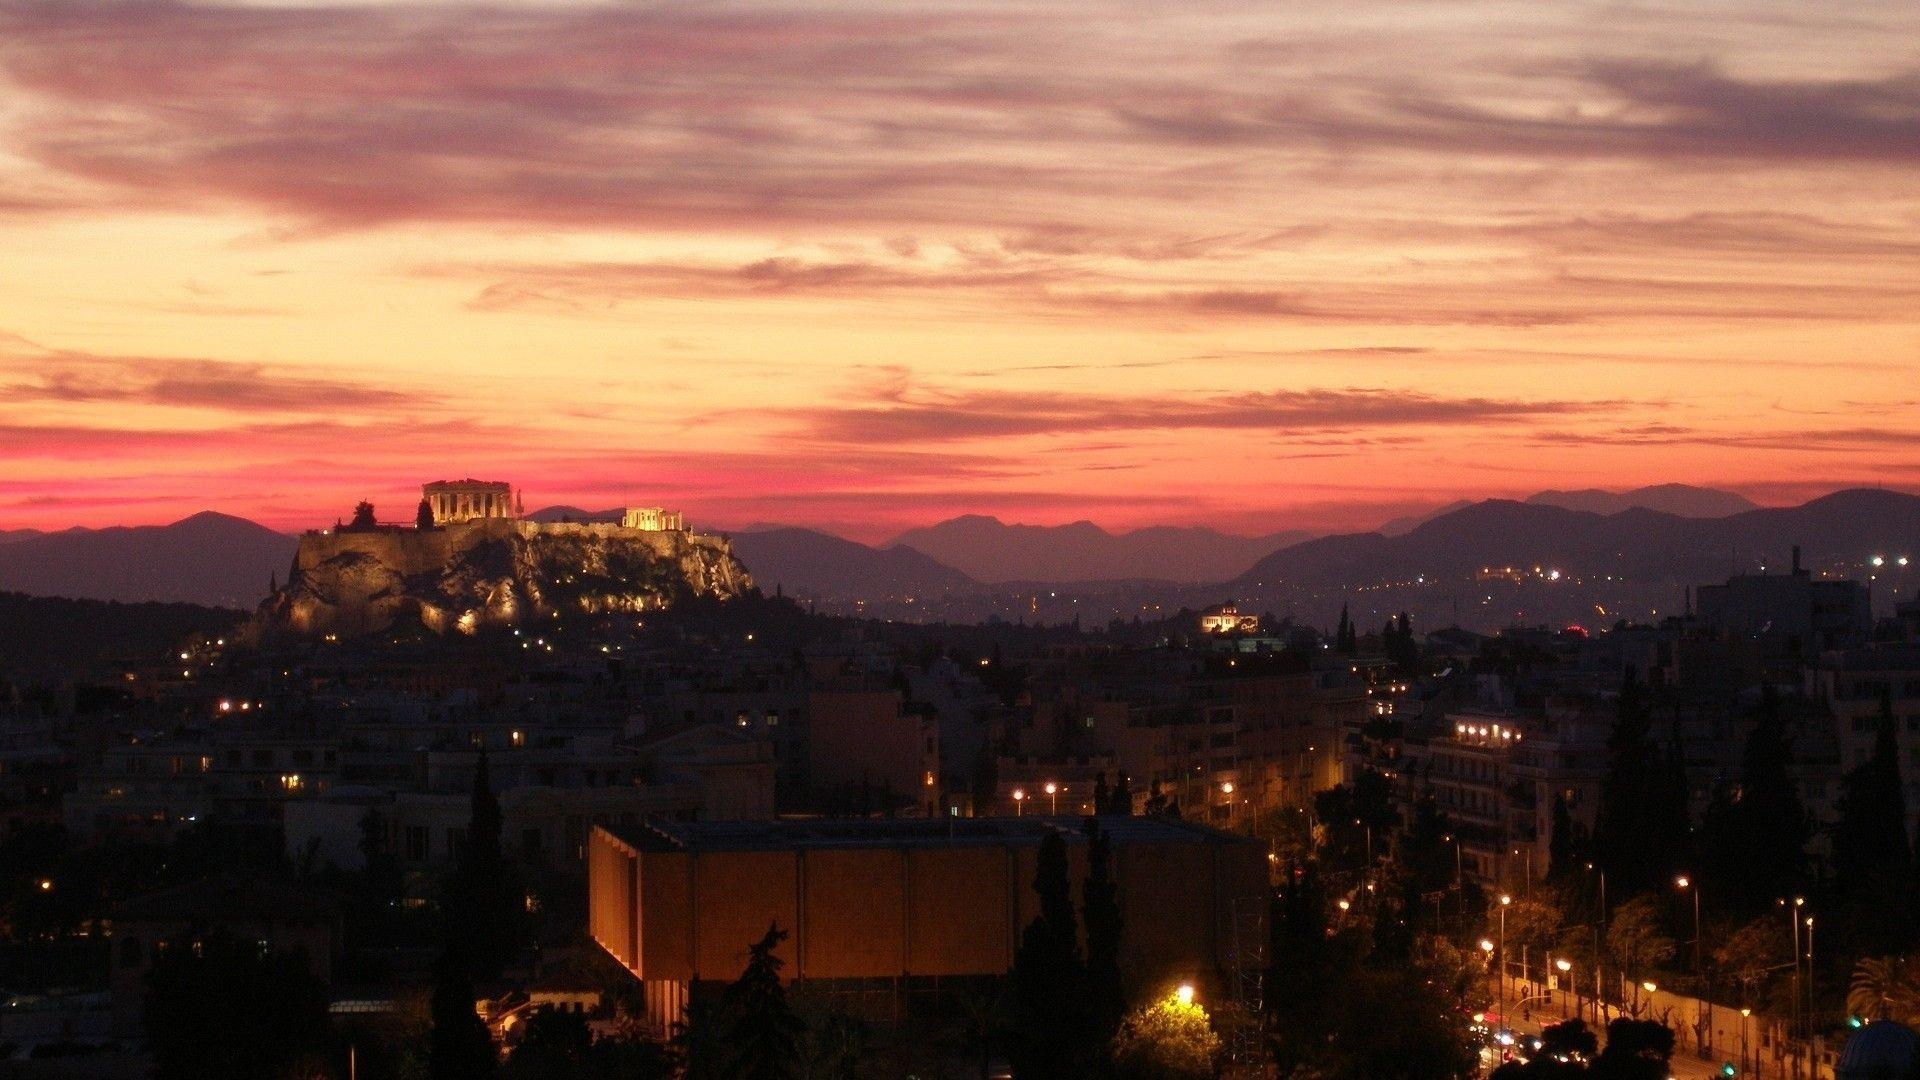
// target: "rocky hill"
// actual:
[[493, 572]]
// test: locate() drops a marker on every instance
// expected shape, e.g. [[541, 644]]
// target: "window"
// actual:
[[417, 843]]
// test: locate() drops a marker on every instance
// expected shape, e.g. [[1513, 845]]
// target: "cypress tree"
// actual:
[[1632, 837], [1562, 852], [1048, 992], [763, 1032], [485, 908], [1100, 907], [459, 1047], [1767, 825], [1871, 835], [1301, 973]]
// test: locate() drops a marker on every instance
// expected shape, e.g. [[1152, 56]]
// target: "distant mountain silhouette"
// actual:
[[1680, 500], [987, 549], [1646, 545], [9, 536], [816, 563], [549, 514], [1401, 526], [209, 559]]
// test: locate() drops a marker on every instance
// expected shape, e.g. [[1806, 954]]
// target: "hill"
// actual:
[[62, 638], [209, 559], [806, 562], [493, 572], [990, 550]]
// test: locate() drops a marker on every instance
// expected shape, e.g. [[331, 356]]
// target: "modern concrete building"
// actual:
[[882, 904]]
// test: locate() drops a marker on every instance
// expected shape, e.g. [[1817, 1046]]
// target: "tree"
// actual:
[[1886, 987], [1635, 938], [1394, 1024], [381, 878], [459, 1047], [1169, 1039], [1773, 820], [1642, 828], [226, 1011], [1047, 994], [554, 1045], [1636, 1050], [1563, 852], [1302, 968], [839, 1047], [1345, 641], [1398, 643], [1100, 907], [1533, 926], [1565, 1048], [763, 1034], [485, 906], [1748, 955], [1870, 838], [423, 516]]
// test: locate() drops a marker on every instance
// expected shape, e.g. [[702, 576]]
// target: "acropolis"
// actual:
[[470, 557]]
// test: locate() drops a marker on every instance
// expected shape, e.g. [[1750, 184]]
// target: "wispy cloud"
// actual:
[[940, 417]]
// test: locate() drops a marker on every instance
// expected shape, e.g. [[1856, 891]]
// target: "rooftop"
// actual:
[[841, 833]]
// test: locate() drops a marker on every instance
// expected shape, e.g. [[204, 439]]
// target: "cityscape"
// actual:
[[959, 540]]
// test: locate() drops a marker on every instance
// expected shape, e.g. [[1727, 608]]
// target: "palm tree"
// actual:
[[1886, 987]]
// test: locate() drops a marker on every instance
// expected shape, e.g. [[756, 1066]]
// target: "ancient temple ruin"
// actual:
[[464, 500]]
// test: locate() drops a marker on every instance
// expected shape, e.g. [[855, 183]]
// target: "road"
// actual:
[[1686, 1065]]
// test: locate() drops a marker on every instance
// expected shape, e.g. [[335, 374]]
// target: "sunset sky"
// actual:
[[870, 264]]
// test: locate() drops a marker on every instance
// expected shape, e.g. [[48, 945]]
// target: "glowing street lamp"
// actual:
[[1019, 802], [1053, 795], [1184, 995], [1505, 900], [1687, 884]]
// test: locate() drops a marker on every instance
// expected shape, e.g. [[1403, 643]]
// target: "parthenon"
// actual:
[[464, 500]]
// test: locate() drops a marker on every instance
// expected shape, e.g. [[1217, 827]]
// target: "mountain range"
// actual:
[[989, 550], [210, 559], [1639, 544], [219, 560], [806, 562], [1680, 500]]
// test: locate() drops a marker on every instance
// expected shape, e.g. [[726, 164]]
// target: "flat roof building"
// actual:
[[886, 901]]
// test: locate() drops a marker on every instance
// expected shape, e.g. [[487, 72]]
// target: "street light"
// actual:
[[1746, 1058], [1487, 947], [1565, 967], [1793, 921], [1809, 972], [1504, 901], [1053, 793], [1019, 799], [1687, 884], [1184, 995]]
